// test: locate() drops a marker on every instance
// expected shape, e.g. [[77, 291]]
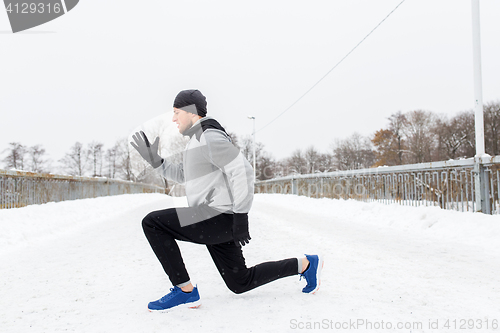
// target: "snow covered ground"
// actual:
[[85, 266]]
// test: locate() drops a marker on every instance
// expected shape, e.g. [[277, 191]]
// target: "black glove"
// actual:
[[148, 151], [240, 229]]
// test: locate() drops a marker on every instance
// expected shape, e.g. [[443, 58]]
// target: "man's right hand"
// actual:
[[148, 151]]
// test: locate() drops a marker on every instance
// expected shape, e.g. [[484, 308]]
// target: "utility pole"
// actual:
[[481, 181]]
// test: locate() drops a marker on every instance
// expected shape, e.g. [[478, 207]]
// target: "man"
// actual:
[[219, 190]]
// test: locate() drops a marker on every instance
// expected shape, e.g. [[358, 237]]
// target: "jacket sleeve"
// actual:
[[172, 171], [238, 173]]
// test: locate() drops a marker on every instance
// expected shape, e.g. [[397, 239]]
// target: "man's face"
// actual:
[[183, 119]]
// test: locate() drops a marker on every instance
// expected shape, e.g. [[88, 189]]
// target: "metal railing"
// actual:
[[19, 188], [448, 184]]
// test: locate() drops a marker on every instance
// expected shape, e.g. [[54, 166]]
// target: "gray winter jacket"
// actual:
[[214, 171]]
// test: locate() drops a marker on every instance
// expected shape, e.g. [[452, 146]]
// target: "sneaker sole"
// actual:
[[321, 263], [191, 305]]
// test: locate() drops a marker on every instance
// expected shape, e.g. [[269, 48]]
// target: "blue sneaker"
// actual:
[[312, 274], [176, 298]]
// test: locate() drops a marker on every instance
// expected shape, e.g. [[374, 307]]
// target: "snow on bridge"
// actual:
[[85, 266]]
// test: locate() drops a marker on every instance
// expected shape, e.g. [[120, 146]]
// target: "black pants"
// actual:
[[162, 229]]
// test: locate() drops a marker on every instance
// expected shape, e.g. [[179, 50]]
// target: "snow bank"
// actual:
[[474, 229], [40, 223]]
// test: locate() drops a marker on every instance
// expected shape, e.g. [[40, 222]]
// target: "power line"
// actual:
[[324, 76]]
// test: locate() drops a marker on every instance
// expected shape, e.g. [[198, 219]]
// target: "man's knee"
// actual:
[[234, 286], [237, 280], [160, 219], [148, 222], [237, 290]]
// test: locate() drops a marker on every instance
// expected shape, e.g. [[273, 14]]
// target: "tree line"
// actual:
[[81, 160], [120, 161], [412, 137], [415, 136]]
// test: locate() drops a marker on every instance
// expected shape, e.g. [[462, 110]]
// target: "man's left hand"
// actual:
[[240, 229]]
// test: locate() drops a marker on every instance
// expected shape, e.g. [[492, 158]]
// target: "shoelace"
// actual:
[[303, 275], [172, 293]]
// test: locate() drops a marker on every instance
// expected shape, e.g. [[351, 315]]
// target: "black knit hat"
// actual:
[[186, 99]]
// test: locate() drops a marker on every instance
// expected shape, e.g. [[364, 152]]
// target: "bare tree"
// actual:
[[95, 155], [419, 135], [266, 166], [466, 125], [124, 160], [16, 156], [397, 122], [325, 163], [112, 156], [74, 162], [492, 128], [312, 157], [297, 163], [246, 148], [354, 152], [440, 128], [450, 137], [37, 161]]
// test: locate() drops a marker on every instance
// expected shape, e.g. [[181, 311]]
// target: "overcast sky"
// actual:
[[106, 67]]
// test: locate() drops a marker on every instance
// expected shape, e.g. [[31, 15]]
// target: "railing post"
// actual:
[[481, 187], [295, 189]]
